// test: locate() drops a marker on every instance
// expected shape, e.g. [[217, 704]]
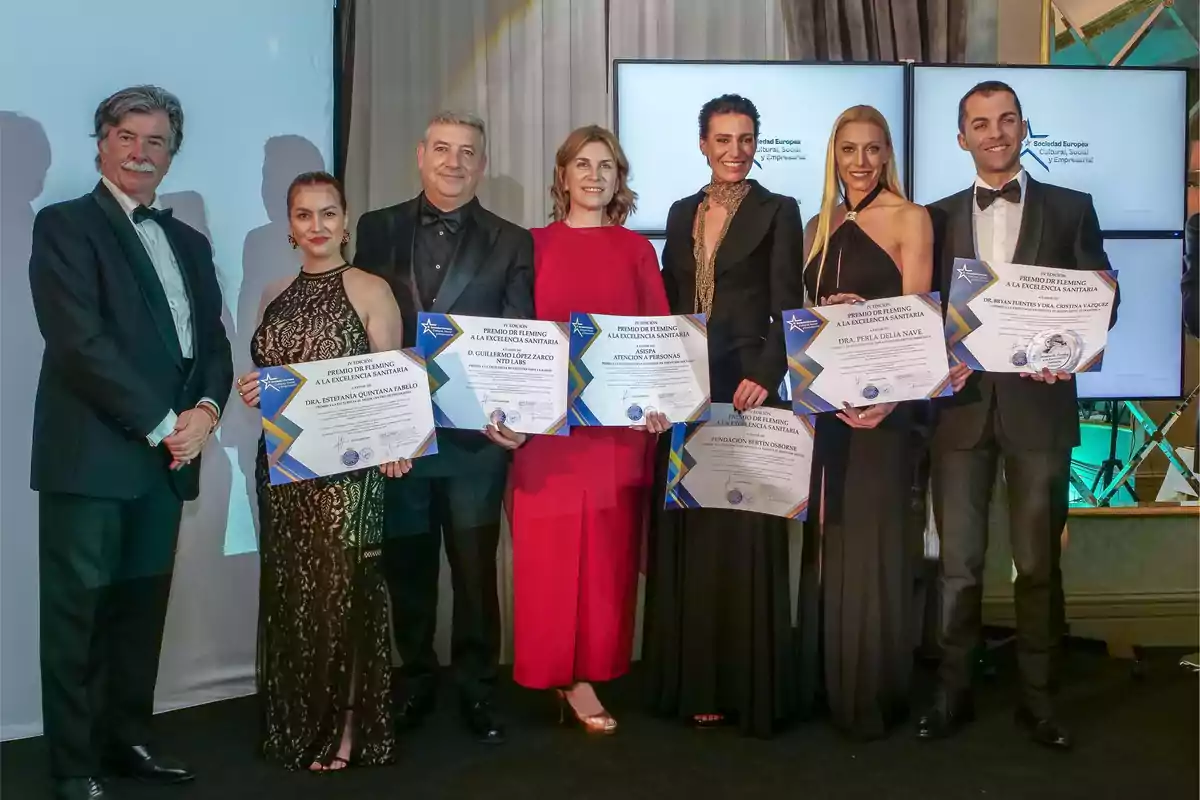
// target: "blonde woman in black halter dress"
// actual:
[[860, 548], [324, 654]]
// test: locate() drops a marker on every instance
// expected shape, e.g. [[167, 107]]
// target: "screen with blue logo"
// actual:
[[658, 106], [1117, 134]]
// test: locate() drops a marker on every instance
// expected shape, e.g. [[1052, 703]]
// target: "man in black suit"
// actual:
[[443, 252], [1030, 421], [135, 370]]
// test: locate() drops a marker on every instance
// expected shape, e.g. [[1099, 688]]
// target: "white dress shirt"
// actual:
[[154, 239], [999, 225]]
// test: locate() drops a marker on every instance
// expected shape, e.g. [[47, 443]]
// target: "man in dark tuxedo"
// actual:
[[1028, 421], [443, 252], [135, 370]]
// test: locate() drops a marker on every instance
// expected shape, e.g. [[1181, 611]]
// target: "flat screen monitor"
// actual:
[[1116, 133], [657, 108], [1144, 356]]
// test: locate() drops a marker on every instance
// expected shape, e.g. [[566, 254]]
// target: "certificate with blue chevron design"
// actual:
[[759, 460], [485, 370], [1021, 318], [327, 417], [861, 354], [623, 368]]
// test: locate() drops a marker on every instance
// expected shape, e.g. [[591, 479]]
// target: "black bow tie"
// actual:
[[142, 213], [1010, 191], [452, 221]]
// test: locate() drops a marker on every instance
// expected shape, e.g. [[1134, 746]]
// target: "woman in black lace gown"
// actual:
[[324, 655], [860, 548]]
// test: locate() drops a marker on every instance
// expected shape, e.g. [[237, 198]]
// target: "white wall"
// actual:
[[255, 80]]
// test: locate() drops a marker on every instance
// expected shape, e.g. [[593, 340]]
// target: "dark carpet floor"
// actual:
[[1137, 738]]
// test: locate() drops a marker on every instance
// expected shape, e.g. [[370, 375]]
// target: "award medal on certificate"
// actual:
[[1055, 350]]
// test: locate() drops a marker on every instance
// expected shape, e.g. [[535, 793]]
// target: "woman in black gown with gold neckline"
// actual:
[[856, 624], [718, 631]]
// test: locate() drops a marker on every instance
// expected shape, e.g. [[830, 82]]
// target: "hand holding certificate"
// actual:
[[327, 417], [759, 460], [490, 371], [625, 368], [1019, 318], [862, 354]]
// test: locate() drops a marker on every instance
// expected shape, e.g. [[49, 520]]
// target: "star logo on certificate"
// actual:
[[273, 383], [794, 324], [430, 327], [965, 273]]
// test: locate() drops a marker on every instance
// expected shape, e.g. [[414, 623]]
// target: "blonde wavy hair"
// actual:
[[624, 200], [835, 190]]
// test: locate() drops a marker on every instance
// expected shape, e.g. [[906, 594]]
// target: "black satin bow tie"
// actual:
[[143, 213], [451, 220], [1010, 191]]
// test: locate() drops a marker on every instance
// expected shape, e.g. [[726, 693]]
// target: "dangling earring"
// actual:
[[292, 241], [345, 238]]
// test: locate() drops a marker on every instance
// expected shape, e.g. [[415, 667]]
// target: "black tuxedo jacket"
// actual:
[[112, 367], [758, 276], [491, 276], [1059, 229]]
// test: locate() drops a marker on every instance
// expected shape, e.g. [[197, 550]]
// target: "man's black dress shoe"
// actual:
[[945, 718], [483, 722], [1045, 731], [139, 763], [412, 712], [80, 789]]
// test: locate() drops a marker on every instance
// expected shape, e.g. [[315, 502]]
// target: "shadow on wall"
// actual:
[[25, 160], [202, 547], [266, 257]]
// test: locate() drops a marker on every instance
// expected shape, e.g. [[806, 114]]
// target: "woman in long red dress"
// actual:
[[578, 501]]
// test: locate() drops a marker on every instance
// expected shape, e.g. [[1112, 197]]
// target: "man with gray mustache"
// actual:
[[134, 376]]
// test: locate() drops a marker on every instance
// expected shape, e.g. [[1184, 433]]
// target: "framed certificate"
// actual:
[[1020, 318], [324, 418], [861, 354], [623, 368], [485, 370], [759, 461]]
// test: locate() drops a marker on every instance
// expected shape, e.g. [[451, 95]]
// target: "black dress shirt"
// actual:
[[439, 234]]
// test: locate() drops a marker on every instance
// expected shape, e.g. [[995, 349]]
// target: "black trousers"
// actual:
[[105, 569], [464, 513], [1038, 499]]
